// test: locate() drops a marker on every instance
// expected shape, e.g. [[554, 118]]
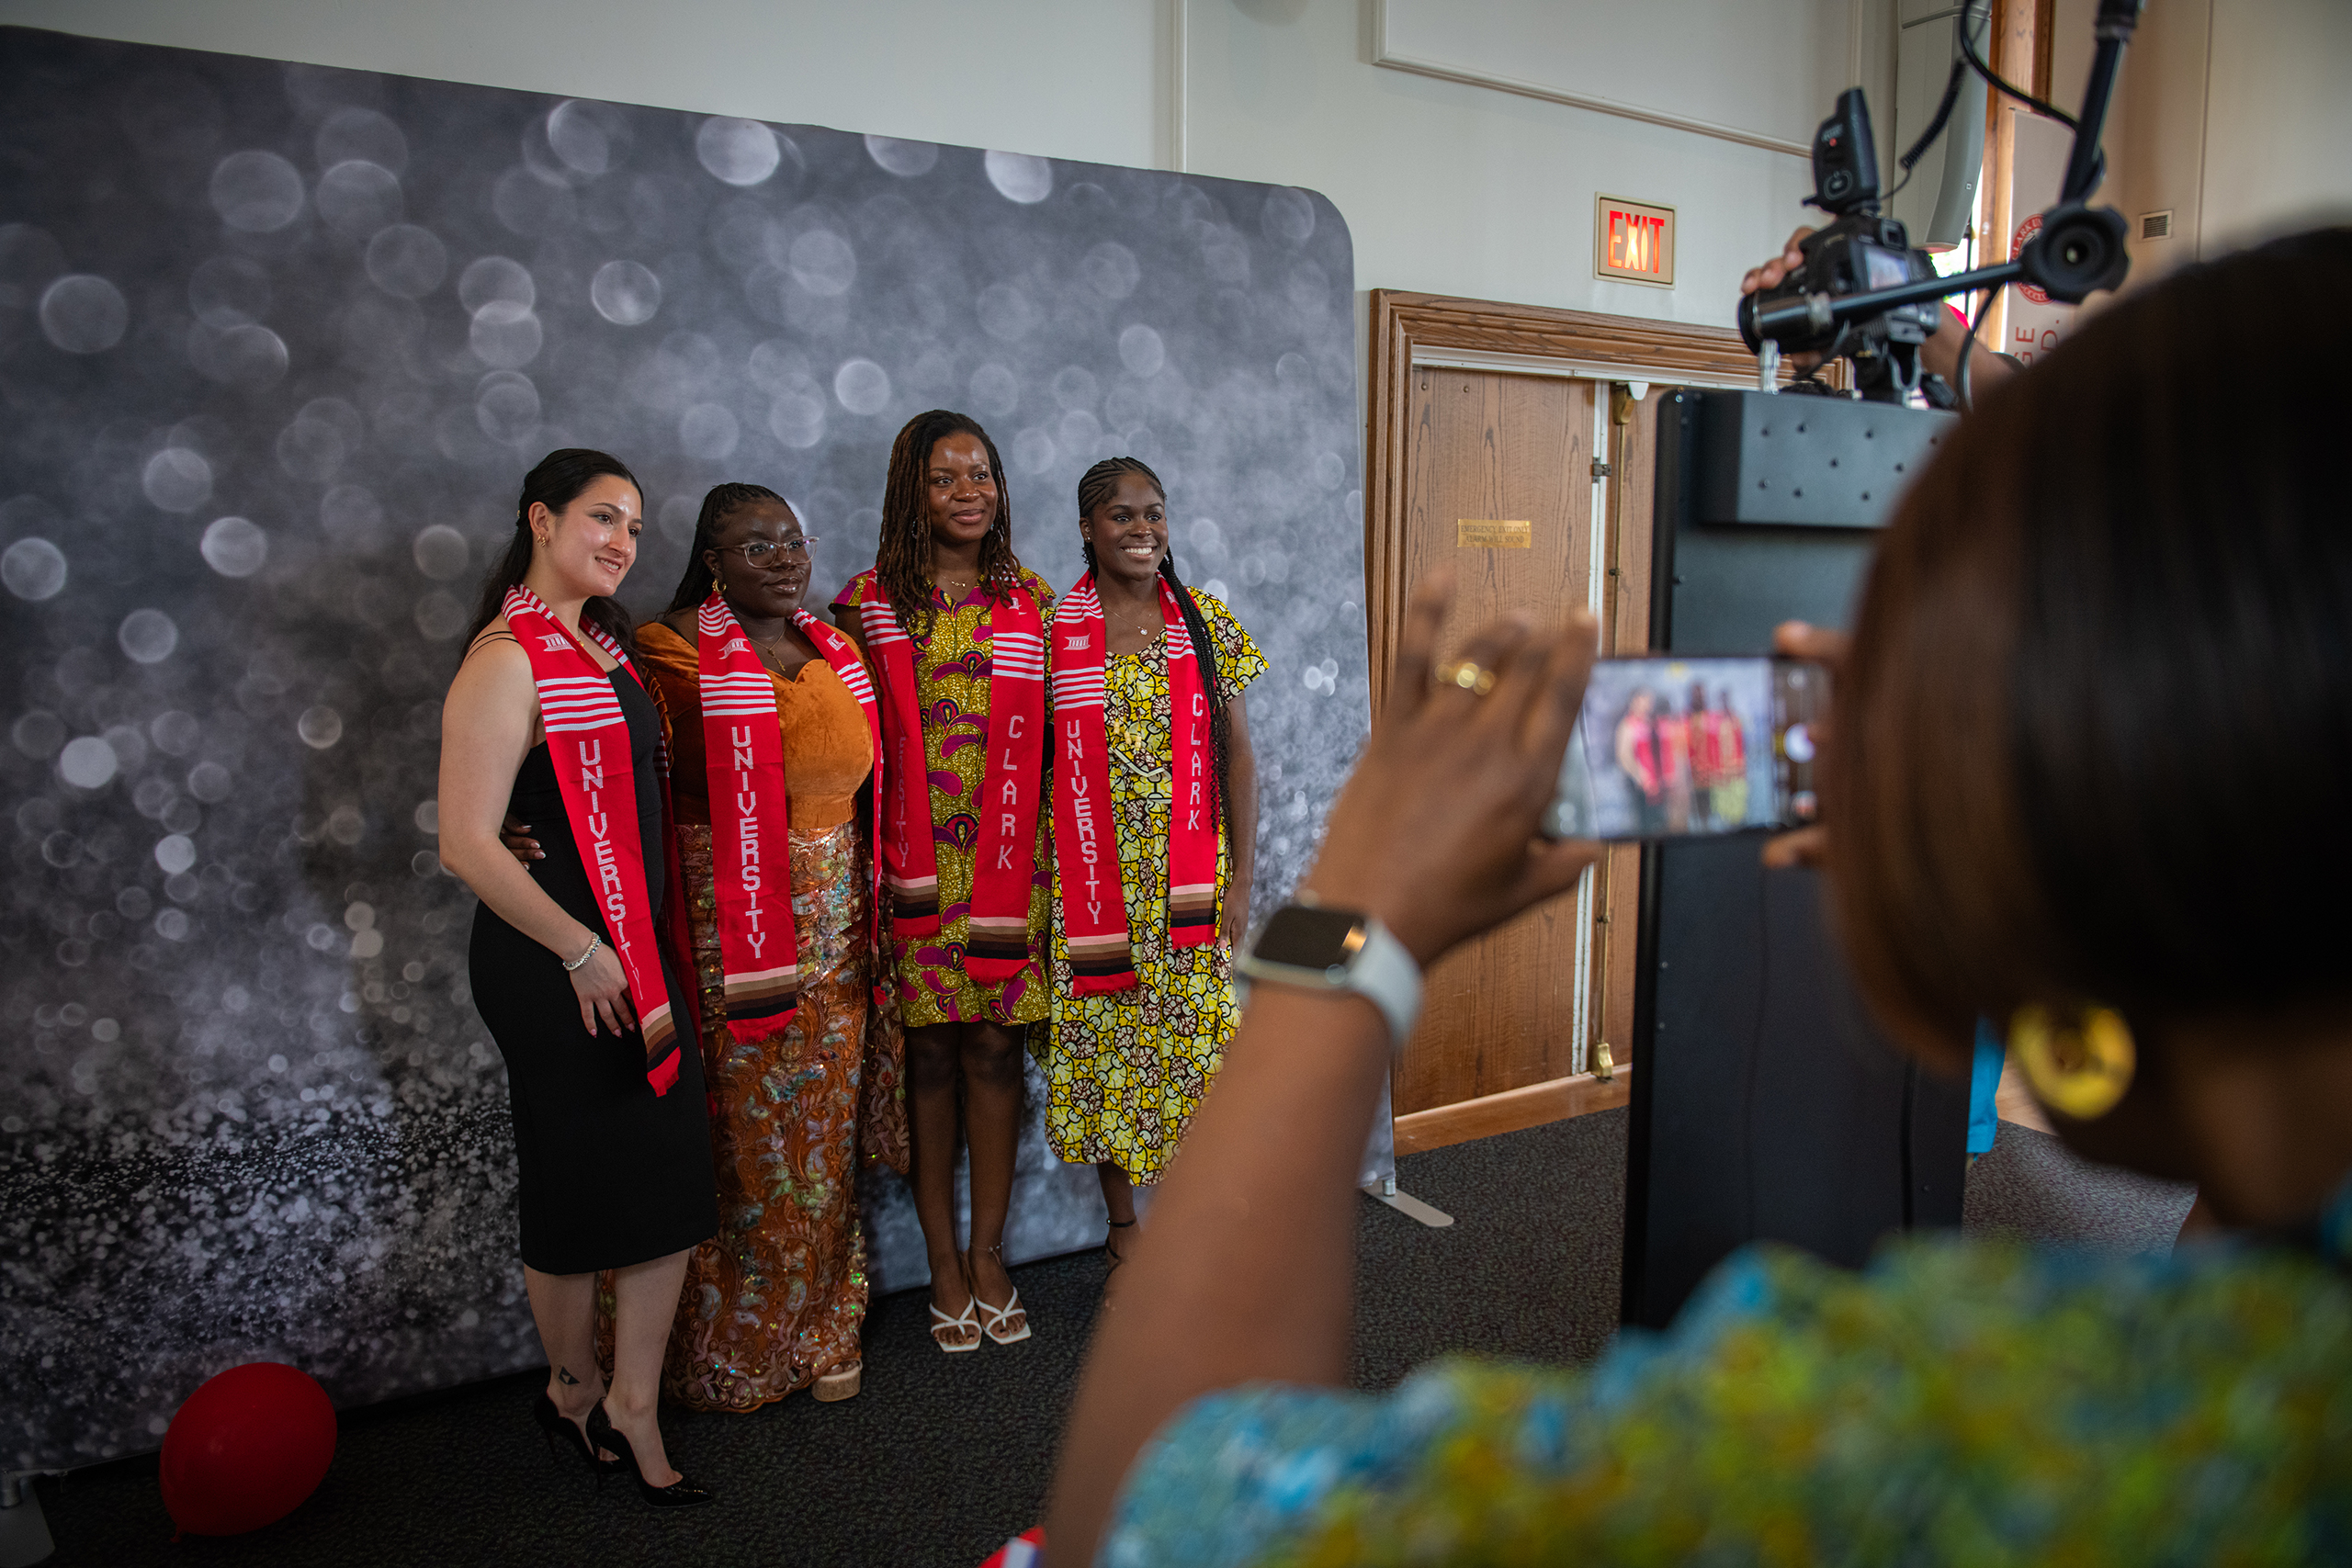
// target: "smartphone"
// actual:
[[1691, 748]]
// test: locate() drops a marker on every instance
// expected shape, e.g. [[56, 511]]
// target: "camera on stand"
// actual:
[[1860, 251], [1862, 290]]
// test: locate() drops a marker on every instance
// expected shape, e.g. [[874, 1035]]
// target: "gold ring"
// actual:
[[1475, 679]]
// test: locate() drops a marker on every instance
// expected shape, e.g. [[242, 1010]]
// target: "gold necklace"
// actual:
[[1144, 631], [769, 647]]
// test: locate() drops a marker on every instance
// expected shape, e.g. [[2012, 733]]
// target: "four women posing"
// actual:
[[701, 1019]]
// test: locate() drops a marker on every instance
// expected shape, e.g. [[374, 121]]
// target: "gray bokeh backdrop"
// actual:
[[276, 343]]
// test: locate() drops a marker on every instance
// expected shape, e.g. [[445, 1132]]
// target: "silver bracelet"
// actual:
[[594, 942]]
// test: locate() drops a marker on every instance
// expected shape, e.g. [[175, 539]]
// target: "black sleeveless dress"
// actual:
[[612, 1174]]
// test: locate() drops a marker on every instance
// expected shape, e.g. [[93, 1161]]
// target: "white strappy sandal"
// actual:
[[999, 1316], [967, 1319]]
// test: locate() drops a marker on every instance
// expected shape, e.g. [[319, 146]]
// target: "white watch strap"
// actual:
[[1386, 973]]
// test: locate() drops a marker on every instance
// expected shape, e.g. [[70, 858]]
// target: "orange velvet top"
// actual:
[[827, 751]]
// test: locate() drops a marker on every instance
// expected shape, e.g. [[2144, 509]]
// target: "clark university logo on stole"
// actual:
[[1008, 793], [555, 642], [1198, 802], [599, 821]]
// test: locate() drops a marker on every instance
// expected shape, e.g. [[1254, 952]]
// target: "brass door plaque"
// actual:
[[1481, 534]]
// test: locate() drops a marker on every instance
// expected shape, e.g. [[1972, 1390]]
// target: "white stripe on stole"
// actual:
[[1020, 655]]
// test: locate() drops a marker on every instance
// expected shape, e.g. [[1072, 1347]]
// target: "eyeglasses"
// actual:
[[762, 552]]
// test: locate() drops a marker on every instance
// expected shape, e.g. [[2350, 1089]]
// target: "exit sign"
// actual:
[[1633, 241]]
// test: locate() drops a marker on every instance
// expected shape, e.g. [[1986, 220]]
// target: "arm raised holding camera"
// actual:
[[1939, 356], [1246, 1273]]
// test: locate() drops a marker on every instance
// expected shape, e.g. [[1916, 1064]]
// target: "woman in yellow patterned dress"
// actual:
[[1126, 1068], [946, 584]]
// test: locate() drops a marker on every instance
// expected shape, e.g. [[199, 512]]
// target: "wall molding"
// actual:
[[1396, 60]]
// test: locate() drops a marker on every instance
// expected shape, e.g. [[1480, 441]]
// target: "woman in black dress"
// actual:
[[613, 1149]]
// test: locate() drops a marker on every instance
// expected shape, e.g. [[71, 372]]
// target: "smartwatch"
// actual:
[[1308, 945]]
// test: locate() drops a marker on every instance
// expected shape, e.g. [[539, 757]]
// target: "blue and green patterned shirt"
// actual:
[[1963, 1401]]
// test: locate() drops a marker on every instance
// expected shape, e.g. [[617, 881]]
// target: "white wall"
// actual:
[[2236, 114], [1454, 188], [2278, 118]]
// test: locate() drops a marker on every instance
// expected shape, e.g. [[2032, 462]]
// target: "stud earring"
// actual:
[[2079, 1067]]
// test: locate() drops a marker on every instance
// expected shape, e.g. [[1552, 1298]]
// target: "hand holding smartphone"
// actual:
[[1673, 748]]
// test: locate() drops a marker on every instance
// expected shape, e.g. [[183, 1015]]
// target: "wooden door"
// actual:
[[1499, 484], [1495, 413]]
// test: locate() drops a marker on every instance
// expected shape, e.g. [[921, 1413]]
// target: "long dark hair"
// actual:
[[555, 483], [722, 503], [1095, 489], [902, 561]]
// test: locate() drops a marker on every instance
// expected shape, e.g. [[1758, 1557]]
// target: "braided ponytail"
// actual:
[[1095, 489]]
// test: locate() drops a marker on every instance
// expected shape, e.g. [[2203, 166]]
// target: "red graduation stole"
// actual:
[[1094, 905], [751, 849], [596, 771], [1004, 851]]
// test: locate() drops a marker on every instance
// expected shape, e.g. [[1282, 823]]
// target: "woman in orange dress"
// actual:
[[800, 1085]]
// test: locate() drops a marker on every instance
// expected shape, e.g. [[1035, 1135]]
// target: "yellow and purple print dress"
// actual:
[[952, 670], [1126, 1069]]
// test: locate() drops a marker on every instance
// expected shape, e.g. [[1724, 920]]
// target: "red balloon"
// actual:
[[246, 1448]]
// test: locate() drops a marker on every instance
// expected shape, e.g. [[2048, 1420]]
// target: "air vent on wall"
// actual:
[[2156, 225]]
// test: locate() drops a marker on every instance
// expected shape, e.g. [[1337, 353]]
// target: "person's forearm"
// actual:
[[512, 893], [1248, 1269]]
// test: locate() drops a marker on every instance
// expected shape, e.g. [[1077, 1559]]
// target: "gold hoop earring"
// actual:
[[2080, 1068]]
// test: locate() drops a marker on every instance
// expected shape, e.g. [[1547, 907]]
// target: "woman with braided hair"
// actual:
[[954, 630], [1155, 829], [773, 732]]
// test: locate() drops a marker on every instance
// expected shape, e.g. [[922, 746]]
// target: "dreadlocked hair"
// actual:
[[1096, 489], [902, 563], [722, 503]]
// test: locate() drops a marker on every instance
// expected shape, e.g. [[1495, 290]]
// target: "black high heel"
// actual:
[[559, 1430], [683, 1492]]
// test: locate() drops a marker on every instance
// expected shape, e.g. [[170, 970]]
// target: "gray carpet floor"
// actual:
[[942, 1457]]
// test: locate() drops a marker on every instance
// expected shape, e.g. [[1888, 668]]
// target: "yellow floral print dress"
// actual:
[[1126, 1069], [952, 671]]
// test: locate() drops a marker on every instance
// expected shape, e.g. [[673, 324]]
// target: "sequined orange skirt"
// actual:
[[777, 1298]]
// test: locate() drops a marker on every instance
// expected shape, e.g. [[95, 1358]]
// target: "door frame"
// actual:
[[1409, 330]]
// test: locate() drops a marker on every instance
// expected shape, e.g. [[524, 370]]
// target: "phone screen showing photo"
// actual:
[[1684, 748]]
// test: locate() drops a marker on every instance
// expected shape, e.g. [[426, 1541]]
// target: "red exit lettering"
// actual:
[[1634, 240]]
